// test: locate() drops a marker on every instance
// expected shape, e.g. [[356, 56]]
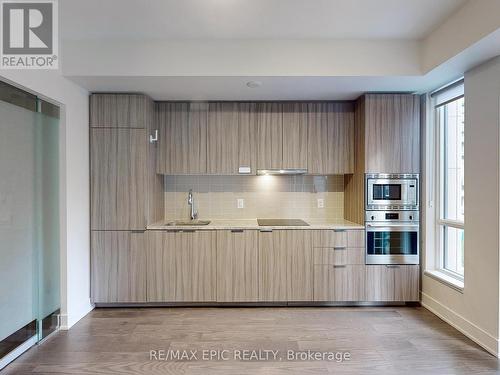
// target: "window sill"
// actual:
[[447, 280]]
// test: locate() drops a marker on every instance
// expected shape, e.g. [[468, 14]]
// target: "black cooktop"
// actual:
[[281, 222]]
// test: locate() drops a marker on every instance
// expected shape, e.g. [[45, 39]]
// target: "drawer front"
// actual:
[[356, 238], [330, 238], [338, 256]]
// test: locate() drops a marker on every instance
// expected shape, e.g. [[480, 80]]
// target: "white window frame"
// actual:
[[440, 222]]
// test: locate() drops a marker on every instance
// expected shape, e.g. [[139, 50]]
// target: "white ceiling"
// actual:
[[253, 19]]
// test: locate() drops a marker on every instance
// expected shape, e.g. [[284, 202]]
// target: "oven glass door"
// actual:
[[392, 245], [386, 192]]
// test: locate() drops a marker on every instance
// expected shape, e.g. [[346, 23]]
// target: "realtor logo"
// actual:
[[29, 34]]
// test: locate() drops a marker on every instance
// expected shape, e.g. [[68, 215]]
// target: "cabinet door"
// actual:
[[182, 139], [406, 283], [119, 110], [269, 135], [295, 133], [340, 136], [392, 126], [118, 266], [181, 266], [380, 283], [273, 267], [298, 245], [118, 178], [237, 270], [317, 161], [231, 137], [348, 282]]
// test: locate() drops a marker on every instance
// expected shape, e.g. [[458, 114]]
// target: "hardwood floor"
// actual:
[[388, 340]]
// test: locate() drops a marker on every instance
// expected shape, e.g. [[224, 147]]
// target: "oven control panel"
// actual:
[[392, 216]]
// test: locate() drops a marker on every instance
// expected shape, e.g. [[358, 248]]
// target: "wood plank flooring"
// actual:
[[387, 340]]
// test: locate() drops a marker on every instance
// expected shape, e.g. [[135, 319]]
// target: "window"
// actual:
[[450, 110]]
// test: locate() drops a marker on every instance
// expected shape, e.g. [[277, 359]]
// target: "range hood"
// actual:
[[281, 172]]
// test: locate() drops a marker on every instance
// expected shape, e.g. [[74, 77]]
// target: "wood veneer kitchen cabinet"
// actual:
[[330, 138], [182, 139], [392, 126], [300, 264], [181, 266], [285, 266], [273, 267], [231, 137], [295, 135], [339, 283], [119, 110], [118, 266], [269, 135], [392, 283], [118, 159], [237, 266]]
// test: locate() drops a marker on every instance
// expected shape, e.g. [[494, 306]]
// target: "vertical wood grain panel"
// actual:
[[237, 266], [298, 245], [118, 267], [182, 144], [269, 135], [340, 136], [354, 184], [118, 178], [406, 283], [119, 110], [295, 135], [392, 133], [317, 160], [181, 266], [273, 267], [379, 283]]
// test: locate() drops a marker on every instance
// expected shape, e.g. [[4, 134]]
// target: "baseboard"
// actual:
[[67, 322], [469, 329]]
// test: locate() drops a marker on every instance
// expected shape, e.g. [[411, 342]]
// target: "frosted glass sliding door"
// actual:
[[29, 219]]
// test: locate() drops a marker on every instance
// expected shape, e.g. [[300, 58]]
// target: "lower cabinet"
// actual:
[[237, 266], [392, 283], [285, 266], [118, 266], [181, 266], [339, 283]]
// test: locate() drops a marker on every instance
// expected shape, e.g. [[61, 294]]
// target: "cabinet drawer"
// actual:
[[338, 256], [339, 283], [356, 238], [330, 238]]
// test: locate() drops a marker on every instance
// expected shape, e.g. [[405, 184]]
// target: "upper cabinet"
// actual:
[[231, 137], [330, 138], [295, 135], [225, 138], [392, 133], [269, 135], [182, 137], [119, 111]]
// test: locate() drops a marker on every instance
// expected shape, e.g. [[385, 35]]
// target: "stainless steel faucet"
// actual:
[[193, 214]]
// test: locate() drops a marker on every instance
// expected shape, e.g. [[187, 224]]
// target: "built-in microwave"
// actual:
[[392, 191]]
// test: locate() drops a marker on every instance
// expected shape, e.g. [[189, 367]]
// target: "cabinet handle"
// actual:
[[339, 265], [392, 265], [153, 139], [339, 230], [236, 230], [340, 248], [265, 230]]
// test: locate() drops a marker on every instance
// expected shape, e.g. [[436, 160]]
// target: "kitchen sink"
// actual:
[[187, 222]]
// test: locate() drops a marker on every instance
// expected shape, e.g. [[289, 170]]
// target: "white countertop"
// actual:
[[252, 224]]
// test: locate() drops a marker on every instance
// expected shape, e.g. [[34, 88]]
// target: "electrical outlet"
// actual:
[[241, 202], [321, 203]]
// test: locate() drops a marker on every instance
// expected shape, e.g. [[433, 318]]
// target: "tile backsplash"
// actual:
[[216, 197]]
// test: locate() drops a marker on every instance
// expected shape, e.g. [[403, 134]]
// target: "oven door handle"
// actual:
[[392, 228]]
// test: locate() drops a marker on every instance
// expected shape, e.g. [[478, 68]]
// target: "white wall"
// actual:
[[476, 311], [74, 175]]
